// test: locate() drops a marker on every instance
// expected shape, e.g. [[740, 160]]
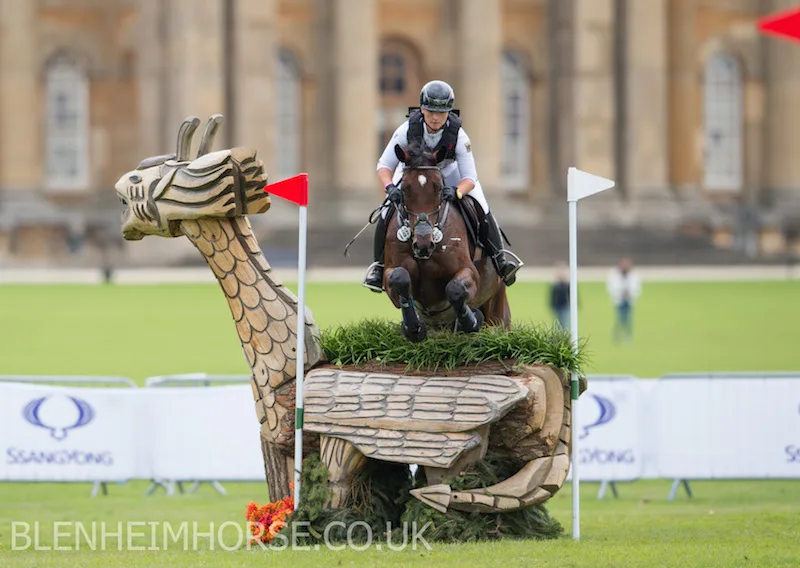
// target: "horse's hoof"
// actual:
[[420, 333]]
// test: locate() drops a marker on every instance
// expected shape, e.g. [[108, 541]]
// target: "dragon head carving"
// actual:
[[164, 190]]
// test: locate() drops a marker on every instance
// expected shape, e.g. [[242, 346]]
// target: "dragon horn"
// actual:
[[208, 135], [185, 134]]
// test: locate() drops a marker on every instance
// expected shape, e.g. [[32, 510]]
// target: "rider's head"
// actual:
[[436, 100]]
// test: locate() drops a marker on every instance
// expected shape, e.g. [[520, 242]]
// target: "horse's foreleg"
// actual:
[[460, 291], [399, 287]]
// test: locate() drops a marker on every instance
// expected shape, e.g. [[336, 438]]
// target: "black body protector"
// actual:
[[416, 124]]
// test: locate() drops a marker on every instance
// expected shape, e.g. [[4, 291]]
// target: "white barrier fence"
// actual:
[[675, 427]]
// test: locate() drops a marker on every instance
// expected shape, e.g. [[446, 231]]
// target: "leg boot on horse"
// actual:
[[399, 288], [505, 262], [374, 277], [459, 290]]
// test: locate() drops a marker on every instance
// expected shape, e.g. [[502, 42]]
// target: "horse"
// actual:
[[433, 271]]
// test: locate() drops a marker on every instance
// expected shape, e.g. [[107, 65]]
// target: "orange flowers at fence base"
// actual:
[[266, 521]]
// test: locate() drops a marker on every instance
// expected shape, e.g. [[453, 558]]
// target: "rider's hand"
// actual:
[[449, 193], [394, 194]]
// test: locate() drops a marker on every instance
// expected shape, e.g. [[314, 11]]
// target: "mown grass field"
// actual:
[[141, 331]]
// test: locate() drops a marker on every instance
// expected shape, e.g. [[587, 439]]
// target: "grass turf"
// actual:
[[140, 331]]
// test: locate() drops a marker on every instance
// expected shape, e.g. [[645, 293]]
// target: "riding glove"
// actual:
[[449, 193], [394, 194]]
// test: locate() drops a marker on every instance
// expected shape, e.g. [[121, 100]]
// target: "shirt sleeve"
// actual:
[[465, 158], [389, 159]]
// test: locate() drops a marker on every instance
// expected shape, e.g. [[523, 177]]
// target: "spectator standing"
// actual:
[[624, 288]]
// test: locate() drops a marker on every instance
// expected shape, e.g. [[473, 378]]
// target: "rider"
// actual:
[[435, 125]]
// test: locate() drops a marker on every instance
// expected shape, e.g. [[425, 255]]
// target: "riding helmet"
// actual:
[[437, 96]]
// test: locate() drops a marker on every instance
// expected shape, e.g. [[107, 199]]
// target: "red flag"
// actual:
[[294, 189], [785, 24]]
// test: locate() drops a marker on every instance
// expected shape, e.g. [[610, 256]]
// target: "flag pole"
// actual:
[[579, 185], [295, 189], [574, 385], [301, 344]]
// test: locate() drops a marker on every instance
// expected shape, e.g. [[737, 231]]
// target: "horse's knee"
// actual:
[[456, 292], [400, 281]]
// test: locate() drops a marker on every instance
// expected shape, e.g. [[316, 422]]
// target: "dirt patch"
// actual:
[[508, 367]]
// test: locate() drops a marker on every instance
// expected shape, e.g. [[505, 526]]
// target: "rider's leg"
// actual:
[[505, 262], [374, 277]]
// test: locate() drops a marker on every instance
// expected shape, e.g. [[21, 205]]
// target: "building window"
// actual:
[[393, 73], [399, 82], [288, 119], [66, 125], [722, 116], [516, 124]]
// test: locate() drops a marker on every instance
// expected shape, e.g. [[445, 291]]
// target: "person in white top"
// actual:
[[437, 126], [624, 288]]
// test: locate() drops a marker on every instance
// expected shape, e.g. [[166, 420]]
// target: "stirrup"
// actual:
[[374, 287], [516, 262]]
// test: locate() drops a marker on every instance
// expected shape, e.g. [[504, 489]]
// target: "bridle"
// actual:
[[422, 225]]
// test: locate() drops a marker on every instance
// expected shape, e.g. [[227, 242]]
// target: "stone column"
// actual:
[[355, 51], [593, 87], [479, 91], [253, 83], [21, 154], [782, 166], [646, 125], [685, 104], [195, 56], [153, 79]]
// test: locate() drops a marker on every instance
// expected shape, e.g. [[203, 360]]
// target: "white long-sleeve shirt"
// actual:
[[623, 286], [463, 167]]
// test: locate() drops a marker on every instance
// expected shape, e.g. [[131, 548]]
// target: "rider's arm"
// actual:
[[388, 161], [466, 164]]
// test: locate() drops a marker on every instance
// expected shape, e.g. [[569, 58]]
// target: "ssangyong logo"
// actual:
[[792, 450], [58, 414], [606, 414]]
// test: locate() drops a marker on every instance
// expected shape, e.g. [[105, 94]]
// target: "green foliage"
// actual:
[[378, 498], [456, 526], [382, 341]]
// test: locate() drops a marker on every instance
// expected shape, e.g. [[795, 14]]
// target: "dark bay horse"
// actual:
[[433, 271]]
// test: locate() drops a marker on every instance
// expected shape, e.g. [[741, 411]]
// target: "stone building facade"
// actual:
[[682, 102]]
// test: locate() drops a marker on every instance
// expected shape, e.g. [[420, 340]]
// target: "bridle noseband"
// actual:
[[422, 226]]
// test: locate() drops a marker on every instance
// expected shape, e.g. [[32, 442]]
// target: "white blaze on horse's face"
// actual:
[[422, 180]]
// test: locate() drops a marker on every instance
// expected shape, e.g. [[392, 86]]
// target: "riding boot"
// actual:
[[505, 262], [374, 278]]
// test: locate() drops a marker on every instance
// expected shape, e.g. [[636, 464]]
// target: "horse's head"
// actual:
[[422, 185]]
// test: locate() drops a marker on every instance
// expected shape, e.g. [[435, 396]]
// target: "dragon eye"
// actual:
[[135, 178]]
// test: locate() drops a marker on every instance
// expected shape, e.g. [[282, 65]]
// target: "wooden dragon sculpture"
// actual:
[[441, 423]]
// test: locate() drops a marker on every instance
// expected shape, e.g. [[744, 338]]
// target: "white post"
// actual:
[[301, 335], [579, 185], [573, 326]]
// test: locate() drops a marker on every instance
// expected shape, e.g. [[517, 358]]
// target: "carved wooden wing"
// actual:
[[395, 402]]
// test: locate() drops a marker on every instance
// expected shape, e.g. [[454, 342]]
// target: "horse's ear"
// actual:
[[401, 154], [440, 154]]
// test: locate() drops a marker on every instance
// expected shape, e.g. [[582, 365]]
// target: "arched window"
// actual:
[[722, 117], [66, 125], [515, 169], [288, 115], [400, 80]]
